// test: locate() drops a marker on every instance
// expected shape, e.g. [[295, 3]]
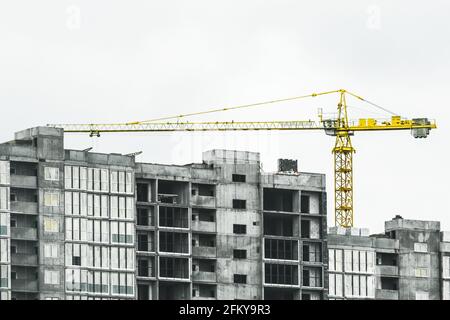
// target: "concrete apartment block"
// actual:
[[445, 263], [5, 232], [220, 206], [294, 235], [418, 258], [404, 263], [351, 266], [85, 225]]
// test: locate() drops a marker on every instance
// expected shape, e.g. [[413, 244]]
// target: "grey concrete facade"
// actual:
[[407, 262], [84, 225], [226, 202]]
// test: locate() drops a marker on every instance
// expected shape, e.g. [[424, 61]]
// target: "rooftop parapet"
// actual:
[[303, 179], [357, 232], [99, 158], [398, 223], [230, 157], [31, 133]]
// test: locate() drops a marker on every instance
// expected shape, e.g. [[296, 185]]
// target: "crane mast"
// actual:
[[340, 127], [343, 168]]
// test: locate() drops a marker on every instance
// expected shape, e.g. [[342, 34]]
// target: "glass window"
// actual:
[[97, 257], [96, 179], [51, 225], [89, 230], [355, 260], [51, 174], [83, 204], [114, 257], [105, 283], [51, 277], [121, 181], [51, 250], [75, 177], [4, 172], [68, 203], [51, 199], [97, 231], [69, 229], [129, 182], [76, 229], [115, 283], [130, 233], [4, 198], [105, 257], [104, 180], [130, 284], [420, 247], [122, 258], [76, 203], [68, 177], [89, 256], [130, 208], [114, 182], [4, 275], [83, 229], [83, 178], [122, 213], [104, 206], [90, 204], [362, 261], [4, 223], [105, 232], [122, 232], [4, 250], [114, 207], [130, 258], [114, 232], [90, 179], [97, 205]]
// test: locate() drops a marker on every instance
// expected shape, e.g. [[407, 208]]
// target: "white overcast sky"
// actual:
[[116, 61]]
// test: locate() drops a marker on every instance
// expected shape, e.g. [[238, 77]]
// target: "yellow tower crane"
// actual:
[[340, 127]]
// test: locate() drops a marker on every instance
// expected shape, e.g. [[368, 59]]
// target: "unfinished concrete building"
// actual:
[[223, 230], [84, 225], [294, 229], [404, 263]]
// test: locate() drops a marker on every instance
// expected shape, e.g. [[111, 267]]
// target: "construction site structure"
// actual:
[[77, 224], [409, 261], [340, 127]]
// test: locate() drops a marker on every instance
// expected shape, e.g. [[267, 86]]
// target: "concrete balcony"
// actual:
[[384, 294], [205, 226], [28, 182], [24, 207], [24, 285], [23, 151], [208, 252], [203, 201], [204, 276], [389, 271], [24, 233], [24, 259]]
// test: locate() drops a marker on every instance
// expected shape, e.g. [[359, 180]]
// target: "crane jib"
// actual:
[[339, 126]]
